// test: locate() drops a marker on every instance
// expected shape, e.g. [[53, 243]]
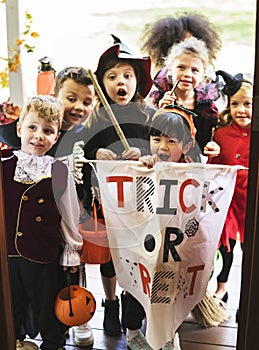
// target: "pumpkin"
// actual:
[[74, 305]]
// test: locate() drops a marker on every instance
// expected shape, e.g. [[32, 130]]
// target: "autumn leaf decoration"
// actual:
[[23, 43]]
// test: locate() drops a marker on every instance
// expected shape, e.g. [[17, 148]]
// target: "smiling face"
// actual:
[[167, 149], [189, 70], [37, 134], [77, 100], [120, 83], [241, 108]]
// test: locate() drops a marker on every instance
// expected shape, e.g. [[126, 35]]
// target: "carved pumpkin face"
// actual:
[[76, 310]]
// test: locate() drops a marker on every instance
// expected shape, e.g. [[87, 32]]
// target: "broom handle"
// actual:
[[109, 110]]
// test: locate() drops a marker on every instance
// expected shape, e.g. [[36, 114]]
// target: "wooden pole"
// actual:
[[249, 302], [108, 110], [7, 337], [16, 79]]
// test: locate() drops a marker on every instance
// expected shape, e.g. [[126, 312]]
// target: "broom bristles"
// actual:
[[209, 311]]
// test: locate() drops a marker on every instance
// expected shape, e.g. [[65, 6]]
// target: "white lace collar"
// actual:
[[32, 168]]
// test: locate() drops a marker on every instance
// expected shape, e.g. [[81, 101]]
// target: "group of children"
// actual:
[[47, 181]]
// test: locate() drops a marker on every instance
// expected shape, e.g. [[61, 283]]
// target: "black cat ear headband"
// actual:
[[232, 83]]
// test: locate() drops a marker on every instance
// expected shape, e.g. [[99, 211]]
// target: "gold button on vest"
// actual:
[[41, 200], [38, 219], [19, 234], [25, 198]]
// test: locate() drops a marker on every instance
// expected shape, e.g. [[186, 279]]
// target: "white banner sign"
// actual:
[[164, 226]]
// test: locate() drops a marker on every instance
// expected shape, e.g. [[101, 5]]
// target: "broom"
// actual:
[[209, 311]]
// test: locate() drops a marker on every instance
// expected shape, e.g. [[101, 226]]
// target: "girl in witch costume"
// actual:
[[125, 81], [231, 145], [42, 215], [157, 40], [187, 64]]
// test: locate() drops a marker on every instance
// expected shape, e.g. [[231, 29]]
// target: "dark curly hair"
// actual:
[[158, 37]]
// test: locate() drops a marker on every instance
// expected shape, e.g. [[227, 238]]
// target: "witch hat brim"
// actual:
[[9, 136], [121, 51]]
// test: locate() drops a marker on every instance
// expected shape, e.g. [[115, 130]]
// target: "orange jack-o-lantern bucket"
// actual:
[[74, 305]]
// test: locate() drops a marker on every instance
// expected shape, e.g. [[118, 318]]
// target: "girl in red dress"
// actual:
[[234, 142]]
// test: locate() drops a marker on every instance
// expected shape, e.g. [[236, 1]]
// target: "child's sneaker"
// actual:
[[138, 342], [174, 344]]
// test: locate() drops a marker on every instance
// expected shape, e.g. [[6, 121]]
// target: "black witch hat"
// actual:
[[121, 51]]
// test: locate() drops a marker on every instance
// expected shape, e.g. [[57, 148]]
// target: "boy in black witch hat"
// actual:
[[125, 80]]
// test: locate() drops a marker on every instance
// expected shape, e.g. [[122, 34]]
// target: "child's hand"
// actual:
[[212, 149], [105, 154], [132, 153], [149, 161], [167, 99]]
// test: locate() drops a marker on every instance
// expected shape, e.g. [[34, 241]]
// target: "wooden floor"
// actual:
[[192, 336]]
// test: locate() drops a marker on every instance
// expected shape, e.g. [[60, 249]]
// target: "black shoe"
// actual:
[[225, 297], [111, 322], [237, 316], [123, 310]]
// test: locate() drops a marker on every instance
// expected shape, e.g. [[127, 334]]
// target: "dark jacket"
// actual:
[[31, 212]]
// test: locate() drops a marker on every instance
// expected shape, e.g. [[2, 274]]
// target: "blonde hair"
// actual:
[[245, 90], [46, 106], [190, 46]]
